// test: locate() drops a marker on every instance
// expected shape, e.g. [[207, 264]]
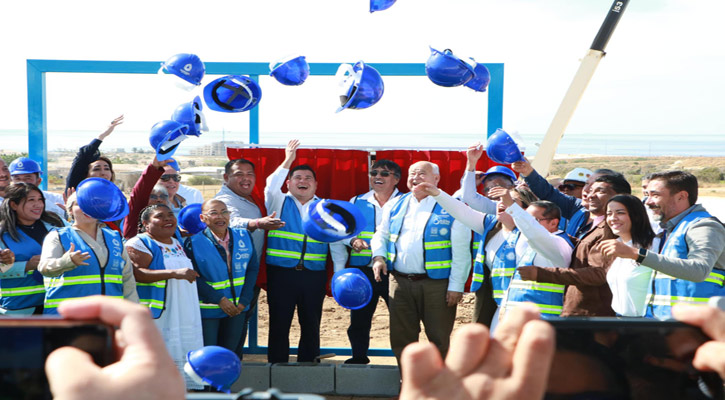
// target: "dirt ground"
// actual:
[[335, 321], [333, 331]]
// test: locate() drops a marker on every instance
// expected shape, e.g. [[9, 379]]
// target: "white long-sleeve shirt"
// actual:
[[552, 250], [409, 246], [338, 250], [470, 196]]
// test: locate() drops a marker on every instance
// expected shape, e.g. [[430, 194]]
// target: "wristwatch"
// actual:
[[642, 255]]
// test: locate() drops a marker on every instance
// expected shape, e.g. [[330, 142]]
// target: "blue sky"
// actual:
[[662, 74]]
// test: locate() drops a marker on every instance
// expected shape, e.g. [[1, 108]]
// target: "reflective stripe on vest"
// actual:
[[504, 265], [153, 294], [285, 245], [437, 251], [478, 270], [28, 291], [91, 279], [668, 291]]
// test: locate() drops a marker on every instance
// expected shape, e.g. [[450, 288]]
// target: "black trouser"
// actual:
[[361, 319], [288, 288]]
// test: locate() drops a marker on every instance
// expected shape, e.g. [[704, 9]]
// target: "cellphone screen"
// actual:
[[25, 344], [612, 358]]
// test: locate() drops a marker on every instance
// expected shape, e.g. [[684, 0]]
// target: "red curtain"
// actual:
[[451, 165]]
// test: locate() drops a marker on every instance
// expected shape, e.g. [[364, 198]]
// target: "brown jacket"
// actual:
[[587, 292]]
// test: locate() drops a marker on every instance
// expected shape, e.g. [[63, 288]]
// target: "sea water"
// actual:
[[709, 145]]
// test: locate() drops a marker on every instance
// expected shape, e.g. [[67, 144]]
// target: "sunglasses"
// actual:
[[384, 174], [175, 178], [569, 186]]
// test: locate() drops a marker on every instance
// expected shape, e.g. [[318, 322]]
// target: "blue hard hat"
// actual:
[[189, 219], [380, 5], [101, 199], [351, 288], [445, 69], [23, 165], [481, 78], [232, 93], [215, 365], [191, 114], [501, 170], [362, 85], [188, 67], [165, 138], [502, 148], [290, 71], [332, 220]]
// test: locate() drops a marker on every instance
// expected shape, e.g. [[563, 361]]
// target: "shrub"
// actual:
[[203, 180], [708, 175]]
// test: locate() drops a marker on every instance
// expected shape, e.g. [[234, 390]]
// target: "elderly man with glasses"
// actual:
[[384, 176]]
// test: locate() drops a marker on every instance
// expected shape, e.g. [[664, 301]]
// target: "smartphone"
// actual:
[[25, 343], [628, 358]]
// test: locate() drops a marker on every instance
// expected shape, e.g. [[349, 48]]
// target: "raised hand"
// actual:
[[116, 122], [76, 256]]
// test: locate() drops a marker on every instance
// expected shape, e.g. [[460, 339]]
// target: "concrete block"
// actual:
[[254, 375], [367, 380], [303, 377]]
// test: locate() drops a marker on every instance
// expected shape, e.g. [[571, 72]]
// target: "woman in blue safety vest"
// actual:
[[24, 223], [628, 280], [227, 265], [84, 259], [166, 283]]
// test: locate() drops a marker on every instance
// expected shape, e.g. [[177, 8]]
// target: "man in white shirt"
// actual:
[[429, 258], [384, 177], [296, 275]]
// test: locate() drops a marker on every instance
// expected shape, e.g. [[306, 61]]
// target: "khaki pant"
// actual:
[[414, 301]]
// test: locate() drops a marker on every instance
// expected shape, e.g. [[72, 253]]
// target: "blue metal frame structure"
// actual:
[[38, 127]]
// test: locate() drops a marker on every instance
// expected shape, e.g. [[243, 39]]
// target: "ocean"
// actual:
[[599, 144]]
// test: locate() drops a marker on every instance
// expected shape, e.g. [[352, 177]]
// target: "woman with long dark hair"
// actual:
[[24, 223], [166, 283], [629, 280], [84, 259]]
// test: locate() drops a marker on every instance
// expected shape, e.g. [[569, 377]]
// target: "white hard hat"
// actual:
[[578, 174]]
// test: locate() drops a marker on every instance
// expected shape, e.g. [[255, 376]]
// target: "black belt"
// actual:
[[410, 277]]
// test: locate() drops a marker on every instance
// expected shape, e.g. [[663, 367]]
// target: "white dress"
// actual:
[[180, 322]]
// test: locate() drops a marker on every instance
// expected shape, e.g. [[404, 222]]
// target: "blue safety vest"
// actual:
[[437, 253], [153, 295], [668, 291], [548, 297], [211, 260], [285, 245], [28, 291], [479, 266], [87, 280], [504, 265], [362, 258]]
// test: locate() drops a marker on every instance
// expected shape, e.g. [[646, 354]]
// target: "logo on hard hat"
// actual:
[[20, 164], [187, 69]]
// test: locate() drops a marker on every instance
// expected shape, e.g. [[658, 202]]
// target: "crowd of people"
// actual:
[[585, 248]]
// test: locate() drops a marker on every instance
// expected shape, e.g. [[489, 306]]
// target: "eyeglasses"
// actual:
[[215, 214], [166, 178], [543, 219], [569, 186], [159, 197], [383, 173]]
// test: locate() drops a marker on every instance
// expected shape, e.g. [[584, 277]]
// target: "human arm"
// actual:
[[461, 212], [86, 155], [338, 252], [470, 195], [379, 245], [513, 364], [141, 258], [461, 262], [54, 260], [546, 244], [140, 196], [74, 376], [705, 242], [545, 191], [709, 356]]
